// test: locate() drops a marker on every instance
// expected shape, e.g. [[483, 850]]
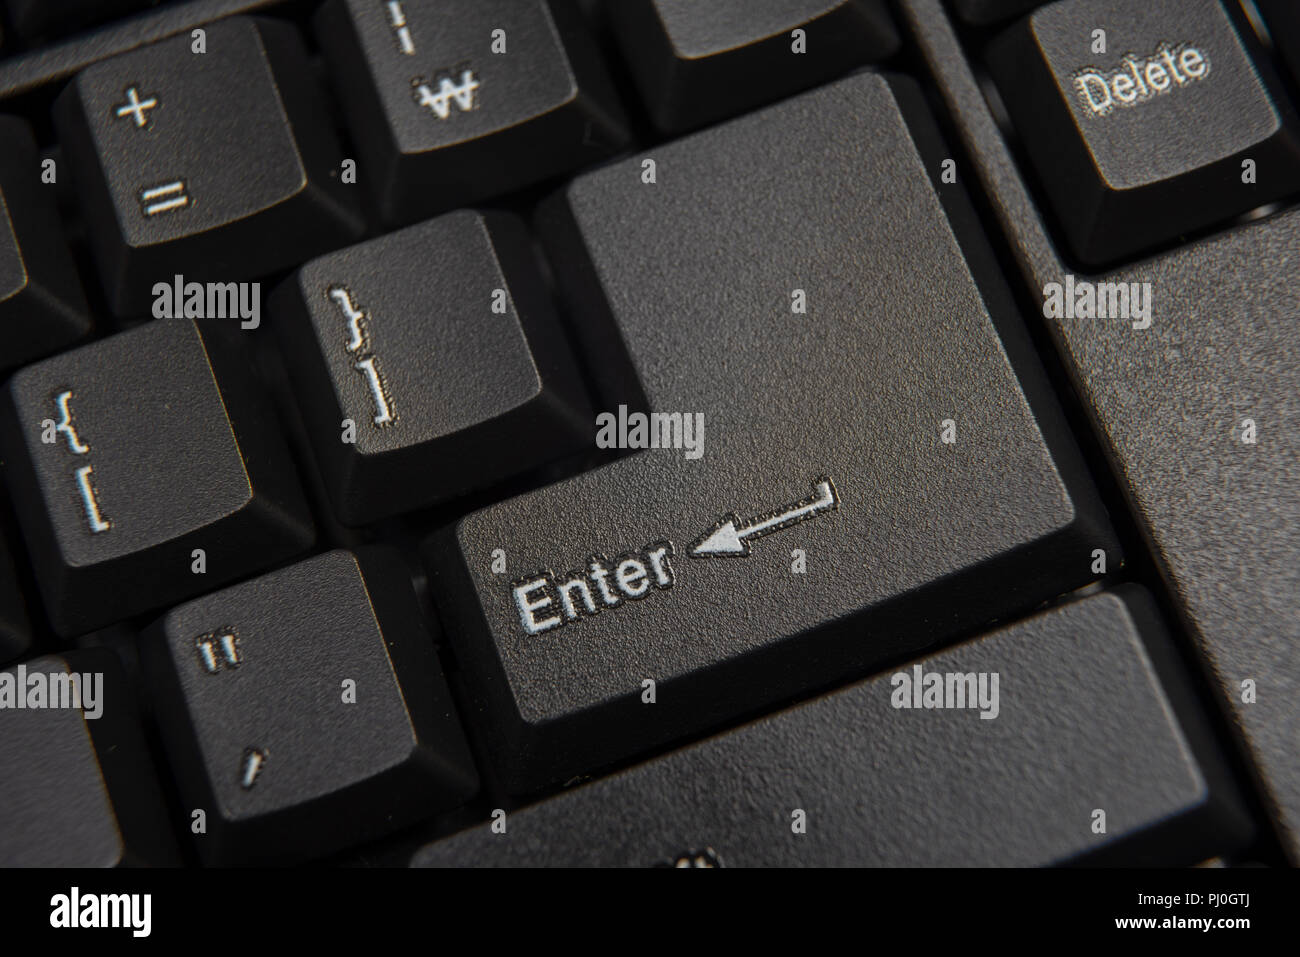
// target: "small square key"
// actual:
[[217, 165], [42, 307], [305, 710], [429, 362], [453, 101], [1146, 120], [146, 469]]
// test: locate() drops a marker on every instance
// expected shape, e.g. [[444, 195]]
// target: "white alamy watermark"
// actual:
[[1084, 299], [654, 430], [21, 689], [179, 299], [946, 690], [75, 909]]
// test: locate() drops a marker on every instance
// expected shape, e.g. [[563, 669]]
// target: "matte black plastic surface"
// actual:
[[696, 63], [1083, 725], [217, 165], [441, 119], [27, 71], [305, 709], [42, 307], [454, 376], [1146, 140], [34, 19], [1169, 401], [76, 790], [991, 11], [15, 630], [159, 444], [695, 274], [1282, 17]]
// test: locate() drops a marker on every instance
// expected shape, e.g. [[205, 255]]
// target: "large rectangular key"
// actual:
[[848, 467], [1086, 749]]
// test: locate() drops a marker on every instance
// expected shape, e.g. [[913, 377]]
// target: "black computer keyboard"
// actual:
[[650, 432]]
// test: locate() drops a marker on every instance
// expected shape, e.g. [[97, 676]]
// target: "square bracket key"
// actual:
[[145, 470], [429, 362]]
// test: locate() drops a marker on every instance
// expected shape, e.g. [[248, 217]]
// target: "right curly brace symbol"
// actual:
[[359, 345]]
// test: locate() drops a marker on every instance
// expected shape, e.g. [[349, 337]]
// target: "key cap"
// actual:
[[15, 630], [1176, 127], [438, 343], [217, 166], [814, 325], [1217, 495], [452, 102], [991, 11], [1282, 18], [77, 787], [42, 307], [146, 468], [35, 19], [888, 773], [306, 709], [1216, 371], [697, 63]]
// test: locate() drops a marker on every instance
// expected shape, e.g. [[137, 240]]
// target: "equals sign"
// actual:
[[161, 198]]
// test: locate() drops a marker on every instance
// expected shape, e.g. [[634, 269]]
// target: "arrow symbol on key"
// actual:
[[730, 537]]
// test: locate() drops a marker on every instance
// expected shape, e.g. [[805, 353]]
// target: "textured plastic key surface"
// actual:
[[76, 791], [127, 454], [452, 101], [1086, 718], [440, 344], [1146, 141], [823, 441], [42, 307], [1171, 403], [218, 165], [15, 630], [695, 63], [306, 709]]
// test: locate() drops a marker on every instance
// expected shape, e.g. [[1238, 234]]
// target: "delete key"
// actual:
[[1128, 109]]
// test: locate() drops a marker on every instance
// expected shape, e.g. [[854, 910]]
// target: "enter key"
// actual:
[[839, 448]]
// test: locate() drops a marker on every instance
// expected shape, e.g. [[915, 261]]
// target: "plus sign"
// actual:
[[134, 105]]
